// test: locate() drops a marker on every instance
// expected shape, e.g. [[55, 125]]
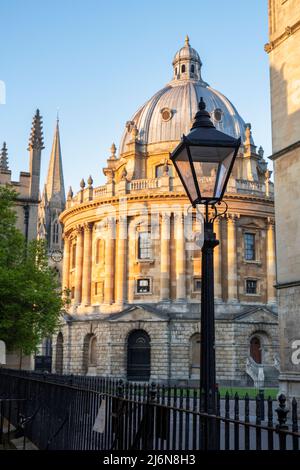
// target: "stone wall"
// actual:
[[170, 347], [284, 55]]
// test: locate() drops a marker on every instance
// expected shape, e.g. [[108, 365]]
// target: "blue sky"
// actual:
[[98, 61]]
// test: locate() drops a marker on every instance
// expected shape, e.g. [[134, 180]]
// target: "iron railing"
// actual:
[[96, 413]]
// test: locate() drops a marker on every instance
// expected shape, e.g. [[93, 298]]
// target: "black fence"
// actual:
[[95, 413]]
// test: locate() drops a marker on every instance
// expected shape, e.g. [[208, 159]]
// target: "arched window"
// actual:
[[183, 68], [93, 352], [195, 351], [138, 356], [55, 232], [59, 359], [255, 349], [192, 68], [90, 356], [144, 245]]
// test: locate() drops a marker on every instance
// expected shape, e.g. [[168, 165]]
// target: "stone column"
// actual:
[[87, 264], [231, 258], [217, 261], [66, 263], [79, 258], [121, 262], [109, 262], [165, 257], [271, 262], [131, 246], [180, 257]]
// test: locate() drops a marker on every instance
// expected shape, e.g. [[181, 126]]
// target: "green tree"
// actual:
[[30, 295]]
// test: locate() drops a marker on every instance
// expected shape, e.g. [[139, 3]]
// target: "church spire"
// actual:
[[35, 146], [55, 179], [3, 158], [36, 139]]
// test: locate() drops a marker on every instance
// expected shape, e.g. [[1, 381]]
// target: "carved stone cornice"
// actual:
[[176, 197], [289, 31], [285, 151]]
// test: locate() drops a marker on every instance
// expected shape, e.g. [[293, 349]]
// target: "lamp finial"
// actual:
[[202, 104]]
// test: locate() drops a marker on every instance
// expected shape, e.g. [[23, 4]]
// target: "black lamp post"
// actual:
[[204, 160]]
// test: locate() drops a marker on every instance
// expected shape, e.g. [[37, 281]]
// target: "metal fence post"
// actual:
[[151, 416], [295, 424], [119, 417], [261, 393], [282, 412]]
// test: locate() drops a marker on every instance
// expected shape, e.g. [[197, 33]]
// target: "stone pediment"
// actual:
[[248, 224], [139, 313], [257, 315]]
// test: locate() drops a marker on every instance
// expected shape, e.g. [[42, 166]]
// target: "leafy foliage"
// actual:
[[30, 296]]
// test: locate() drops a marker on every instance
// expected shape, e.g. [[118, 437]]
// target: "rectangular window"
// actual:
[[197, 284], [143, 286], [144, 245], [249, 242], [251, 286], [72, 292]]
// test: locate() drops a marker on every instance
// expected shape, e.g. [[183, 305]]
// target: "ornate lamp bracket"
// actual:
[[217, 210]]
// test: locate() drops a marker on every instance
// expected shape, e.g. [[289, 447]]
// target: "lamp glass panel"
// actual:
[[206, 174], [224, 168], [184, 168], [211, 166]]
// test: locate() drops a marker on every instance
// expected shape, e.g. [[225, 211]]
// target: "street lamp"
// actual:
[[204, 160]]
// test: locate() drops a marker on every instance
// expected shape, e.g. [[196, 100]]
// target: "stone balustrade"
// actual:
[[142, 184], [100, 191], [164, 183]]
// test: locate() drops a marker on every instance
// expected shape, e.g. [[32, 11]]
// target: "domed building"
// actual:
[[132, 259]]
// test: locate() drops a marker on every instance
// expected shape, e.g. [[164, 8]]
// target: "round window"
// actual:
[[166, 114], [218, 113]]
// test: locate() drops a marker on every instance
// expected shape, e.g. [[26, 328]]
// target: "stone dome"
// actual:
[[170, 112]]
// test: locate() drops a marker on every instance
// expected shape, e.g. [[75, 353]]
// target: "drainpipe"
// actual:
[[26, 221]]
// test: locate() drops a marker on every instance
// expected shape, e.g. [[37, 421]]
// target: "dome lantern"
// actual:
[[187, 63]]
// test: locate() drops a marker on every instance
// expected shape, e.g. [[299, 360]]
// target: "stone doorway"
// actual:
[[138, 356], [255, 350]]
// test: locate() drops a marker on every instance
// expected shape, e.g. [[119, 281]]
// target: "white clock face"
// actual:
[[56, 255]]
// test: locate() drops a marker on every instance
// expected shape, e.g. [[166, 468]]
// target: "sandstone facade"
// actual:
[[284, 54], [132, 259]]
